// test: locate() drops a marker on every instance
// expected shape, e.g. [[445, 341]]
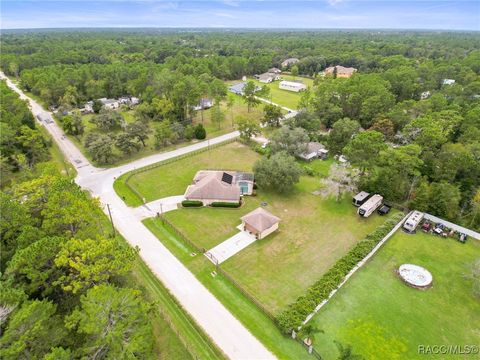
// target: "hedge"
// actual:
[[295, 313], [225, 204], [192, 203]]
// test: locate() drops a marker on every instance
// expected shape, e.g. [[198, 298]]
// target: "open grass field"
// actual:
[[314, 233], [382, 318], [285, 98], [173, 178], [242, 308]]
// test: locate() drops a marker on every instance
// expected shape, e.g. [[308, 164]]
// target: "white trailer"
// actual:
[[360, 198], [370, 205], [413, 220]]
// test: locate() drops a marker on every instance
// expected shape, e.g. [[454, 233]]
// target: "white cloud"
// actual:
[[334, 2], [231, 3]]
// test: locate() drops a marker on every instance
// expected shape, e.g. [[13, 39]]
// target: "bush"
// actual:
[[192, 203], [200, 132], [308, 170], [295, 314], [225, 204]]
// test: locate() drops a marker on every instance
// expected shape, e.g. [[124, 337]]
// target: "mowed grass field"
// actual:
[[314, 232], [173, 178], [285, 98], [382, 318]]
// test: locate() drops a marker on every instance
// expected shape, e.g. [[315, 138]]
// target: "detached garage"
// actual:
[[260, 223]]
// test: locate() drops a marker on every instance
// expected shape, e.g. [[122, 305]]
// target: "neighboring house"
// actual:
[[111, 104], [260, 223], [274, 70], [204, 103], [87, 108], [268, 77], [314, 150], [211, 186], [448, 82], [425, 95], [295, 86], [238, 88], [290, 61], [342, 72]]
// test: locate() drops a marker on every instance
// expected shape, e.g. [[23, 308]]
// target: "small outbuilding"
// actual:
[[260, 223], [314, 150], [295, 86]]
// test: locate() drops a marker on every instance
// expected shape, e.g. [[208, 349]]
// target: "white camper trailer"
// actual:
[[413, 220], [360, 198], [370, 205]]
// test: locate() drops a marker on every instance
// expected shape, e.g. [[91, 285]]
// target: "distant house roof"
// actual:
[[289, 61], [448, 81], [274, 70], [260, 219], [106, 101], [238, 88], [314, 147], [341, 70], [293, 83], [213, 185], [267, 76]]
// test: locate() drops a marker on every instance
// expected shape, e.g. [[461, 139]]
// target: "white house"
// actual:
[[111, 104], [292, 86], [314, 150], [268, 77], [260, 223], [448, 82]]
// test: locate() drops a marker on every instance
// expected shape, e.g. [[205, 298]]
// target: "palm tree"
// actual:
[[308, 332], [346, 352]]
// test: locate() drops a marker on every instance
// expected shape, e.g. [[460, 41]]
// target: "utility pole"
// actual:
[[111, 219]]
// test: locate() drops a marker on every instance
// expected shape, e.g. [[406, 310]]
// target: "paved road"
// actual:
[[227, 332]]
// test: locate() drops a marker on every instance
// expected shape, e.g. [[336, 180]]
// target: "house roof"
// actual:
[[238, 87], [266, 76], [260, 219], [209, 185], [341, 70], [274, 70], [292, 83], [313, 147]]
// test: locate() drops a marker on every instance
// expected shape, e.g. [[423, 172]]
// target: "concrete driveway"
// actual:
[[230, 247], [159, 206]]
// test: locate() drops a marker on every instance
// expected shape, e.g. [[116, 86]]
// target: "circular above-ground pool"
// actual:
[[415, 276]]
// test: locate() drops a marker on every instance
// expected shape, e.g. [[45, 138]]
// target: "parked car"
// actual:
[[384, 209], [426, 226], [462, 238], [437, 231]]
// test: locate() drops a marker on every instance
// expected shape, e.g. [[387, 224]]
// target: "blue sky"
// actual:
[[389, 14]]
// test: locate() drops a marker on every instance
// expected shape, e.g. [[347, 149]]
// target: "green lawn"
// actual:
[[242, 308], [286, 98], [173, 179], [313, 234], [382, 318]]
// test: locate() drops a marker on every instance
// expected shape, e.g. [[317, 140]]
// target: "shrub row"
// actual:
[[225, 204], [293, 316], [192, 203]]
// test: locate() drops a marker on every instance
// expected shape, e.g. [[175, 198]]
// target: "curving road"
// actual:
[[225, 330]]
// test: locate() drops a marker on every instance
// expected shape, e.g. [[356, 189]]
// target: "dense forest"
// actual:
[[415, 138]]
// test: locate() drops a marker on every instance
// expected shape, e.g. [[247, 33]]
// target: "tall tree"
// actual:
[[292, 141], [247, 127], [272, 114], [88, 262], [115, 324], [249, 95], [342, 132], [363, 150], [280, 172]]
